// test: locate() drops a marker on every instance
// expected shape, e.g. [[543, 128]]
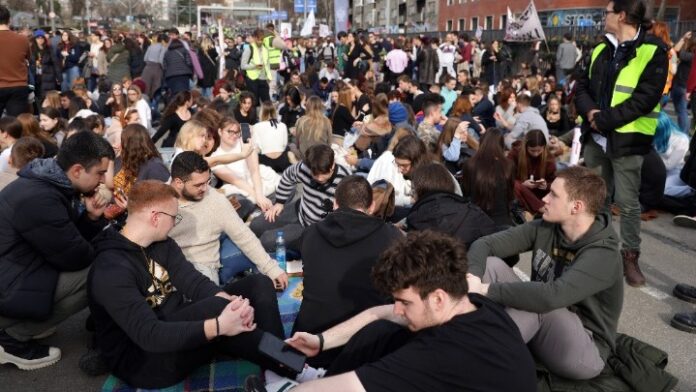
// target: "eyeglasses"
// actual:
[[232, 132], [608, 12], [403, 166], [177, 218]]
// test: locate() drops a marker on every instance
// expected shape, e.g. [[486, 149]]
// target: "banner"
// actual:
[[324, 31], [526, 27], [285, 30], [308, 25], [300, 6], [341, 9], [479, 32]]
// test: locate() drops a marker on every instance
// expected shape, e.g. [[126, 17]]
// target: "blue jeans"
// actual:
[[680, 106], [178, 84], [69, 76], [207, 92], [232, 259]]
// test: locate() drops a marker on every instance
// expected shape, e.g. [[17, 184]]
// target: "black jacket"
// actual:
[[41, 235], [595, 93], [51, 70], [119, 288], [450, 214], [177, 60], [338, 254]]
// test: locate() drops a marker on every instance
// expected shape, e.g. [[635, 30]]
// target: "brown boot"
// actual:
[[634, 277]]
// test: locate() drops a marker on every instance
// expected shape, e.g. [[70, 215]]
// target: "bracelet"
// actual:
[[321, 342], [217, 327]]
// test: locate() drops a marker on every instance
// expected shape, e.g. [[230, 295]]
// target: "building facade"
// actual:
[[395, 16], [459, 15]]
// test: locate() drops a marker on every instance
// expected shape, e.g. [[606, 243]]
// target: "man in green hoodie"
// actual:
[[569, 311]]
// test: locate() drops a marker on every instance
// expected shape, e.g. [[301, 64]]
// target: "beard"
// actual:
[[192, 196]]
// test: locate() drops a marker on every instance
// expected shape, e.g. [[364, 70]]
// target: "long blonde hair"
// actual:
[[188, 131], [314, 122]]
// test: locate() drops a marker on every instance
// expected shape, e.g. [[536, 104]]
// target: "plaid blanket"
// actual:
[[225, 376]]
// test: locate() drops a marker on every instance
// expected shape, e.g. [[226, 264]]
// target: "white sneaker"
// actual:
[[685, 221], [309, 373], [281, 386]]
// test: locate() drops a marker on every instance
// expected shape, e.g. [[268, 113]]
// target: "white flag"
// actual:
[[510, 17], [308, 25], [479, 32], [526, 27]]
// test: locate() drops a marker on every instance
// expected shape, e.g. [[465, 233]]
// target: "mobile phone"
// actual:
[[279, 351], [246, 132]]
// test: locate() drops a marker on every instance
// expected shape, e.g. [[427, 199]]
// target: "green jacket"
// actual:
[[636, 366], [585, 276]]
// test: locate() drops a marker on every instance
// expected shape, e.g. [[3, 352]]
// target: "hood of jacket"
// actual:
[[433, 209], [175, 44], [47, 170], [110, 238], [345, 227], [600, 234]]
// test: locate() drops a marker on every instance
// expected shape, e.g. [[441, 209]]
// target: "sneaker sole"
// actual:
[[684, 221], [683, 297], [24, 364], [682, 327]]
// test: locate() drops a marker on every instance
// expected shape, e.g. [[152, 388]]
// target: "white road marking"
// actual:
[[654, 292], [520, 274]]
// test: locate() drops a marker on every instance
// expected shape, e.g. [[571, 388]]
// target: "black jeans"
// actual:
[[14, 100], [260, 89], [161, 370]]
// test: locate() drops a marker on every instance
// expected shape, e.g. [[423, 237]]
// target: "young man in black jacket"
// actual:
[[156, 317], [44, 246], [618, 97], [338, 254]]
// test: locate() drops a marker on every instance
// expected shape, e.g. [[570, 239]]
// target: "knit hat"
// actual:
[[397, 113], [39, 33]]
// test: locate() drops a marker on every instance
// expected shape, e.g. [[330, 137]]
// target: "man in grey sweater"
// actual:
[[569, 311], [528, 119]]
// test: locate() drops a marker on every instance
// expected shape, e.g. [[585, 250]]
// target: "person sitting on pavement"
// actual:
[[528, 119], [156, 317], [569, 312], [437, 336], [319, 175], [338, 254], [439, 208], [201, 242], [45, 246]]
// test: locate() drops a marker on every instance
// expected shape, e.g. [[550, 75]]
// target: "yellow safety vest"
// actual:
[[274, 54], [257, 55], [626, 82]]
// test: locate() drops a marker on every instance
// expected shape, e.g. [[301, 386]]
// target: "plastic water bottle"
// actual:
[[280, 251]]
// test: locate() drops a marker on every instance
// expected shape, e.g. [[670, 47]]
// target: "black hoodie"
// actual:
[[450, 214], [338, 254], [120, 288]]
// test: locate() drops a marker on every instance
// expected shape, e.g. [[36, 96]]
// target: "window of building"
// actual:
[[449, 2], [474, 23], [449, 25], [503, 21], [462, 25], [489, 23]]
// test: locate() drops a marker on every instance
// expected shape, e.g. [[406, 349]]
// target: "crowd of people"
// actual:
[[149, 177]]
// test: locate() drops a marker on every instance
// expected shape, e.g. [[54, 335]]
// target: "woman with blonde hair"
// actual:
[[51, 100], [314, 127], [208, 58], [193, 137]]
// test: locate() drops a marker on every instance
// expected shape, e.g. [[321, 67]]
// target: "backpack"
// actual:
[[330, 56]]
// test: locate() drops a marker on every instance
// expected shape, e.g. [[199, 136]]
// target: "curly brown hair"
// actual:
[[137, 148], [426, 261]]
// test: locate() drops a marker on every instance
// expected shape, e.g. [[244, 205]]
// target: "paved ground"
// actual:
[[669, 256]]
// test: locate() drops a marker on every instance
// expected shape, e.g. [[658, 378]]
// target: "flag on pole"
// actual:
[[308, 25], [510, 17], [526, 27]]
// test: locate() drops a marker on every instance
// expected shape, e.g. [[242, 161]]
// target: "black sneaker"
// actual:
[[685, 292], [26, 355], [92, 363], [684, 322]]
